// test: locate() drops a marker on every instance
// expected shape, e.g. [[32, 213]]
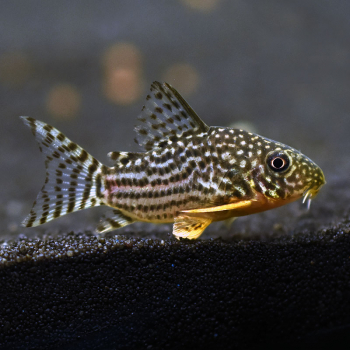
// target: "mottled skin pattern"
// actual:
[[191, 174], [222, 166]]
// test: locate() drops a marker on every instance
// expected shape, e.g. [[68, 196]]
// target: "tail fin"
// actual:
[[73, 177]]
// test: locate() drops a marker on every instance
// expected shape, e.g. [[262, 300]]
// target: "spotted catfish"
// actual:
[[189, 174]]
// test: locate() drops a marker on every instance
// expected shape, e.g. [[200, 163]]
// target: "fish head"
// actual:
[[279, 174]]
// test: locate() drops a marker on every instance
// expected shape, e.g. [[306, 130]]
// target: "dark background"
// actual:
[[280, 68]]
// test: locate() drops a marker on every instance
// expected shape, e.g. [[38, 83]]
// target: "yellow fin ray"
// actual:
[[230, 206]]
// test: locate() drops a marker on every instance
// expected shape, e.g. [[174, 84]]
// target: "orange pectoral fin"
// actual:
[[189, 227], [230, 206]]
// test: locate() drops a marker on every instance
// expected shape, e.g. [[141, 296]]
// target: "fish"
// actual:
[[187, 173]]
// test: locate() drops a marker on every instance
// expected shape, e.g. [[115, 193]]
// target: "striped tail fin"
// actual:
[[73, 177]]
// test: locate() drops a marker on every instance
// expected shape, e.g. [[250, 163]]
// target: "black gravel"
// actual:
[[118, 293]]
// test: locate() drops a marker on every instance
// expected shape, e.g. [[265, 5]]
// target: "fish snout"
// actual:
[[318, 181]]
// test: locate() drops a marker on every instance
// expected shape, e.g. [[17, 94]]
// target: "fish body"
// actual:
[[189, 174]]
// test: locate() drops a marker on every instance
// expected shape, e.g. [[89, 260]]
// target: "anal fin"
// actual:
[[113, 220], [189, 227]]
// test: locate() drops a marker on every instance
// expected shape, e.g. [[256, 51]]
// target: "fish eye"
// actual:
[[278, 162]]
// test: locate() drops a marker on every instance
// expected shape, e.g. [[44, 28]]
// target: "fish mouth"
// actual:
[[308, 195]]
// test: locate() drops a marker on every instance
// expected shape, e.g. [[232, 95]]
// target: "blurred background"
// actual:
[[278, 68]]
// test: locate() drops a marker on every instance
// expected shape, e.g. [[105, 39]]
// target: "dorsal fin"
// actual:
[[166, 114]]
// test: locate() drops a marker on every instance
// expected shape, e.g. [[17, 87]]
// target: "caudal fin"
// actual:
[[73, 177]]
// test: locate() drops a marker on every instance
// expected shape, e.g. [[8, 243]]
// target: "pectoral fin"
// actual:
[[230, 206], [189, 227], [228, 222]]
